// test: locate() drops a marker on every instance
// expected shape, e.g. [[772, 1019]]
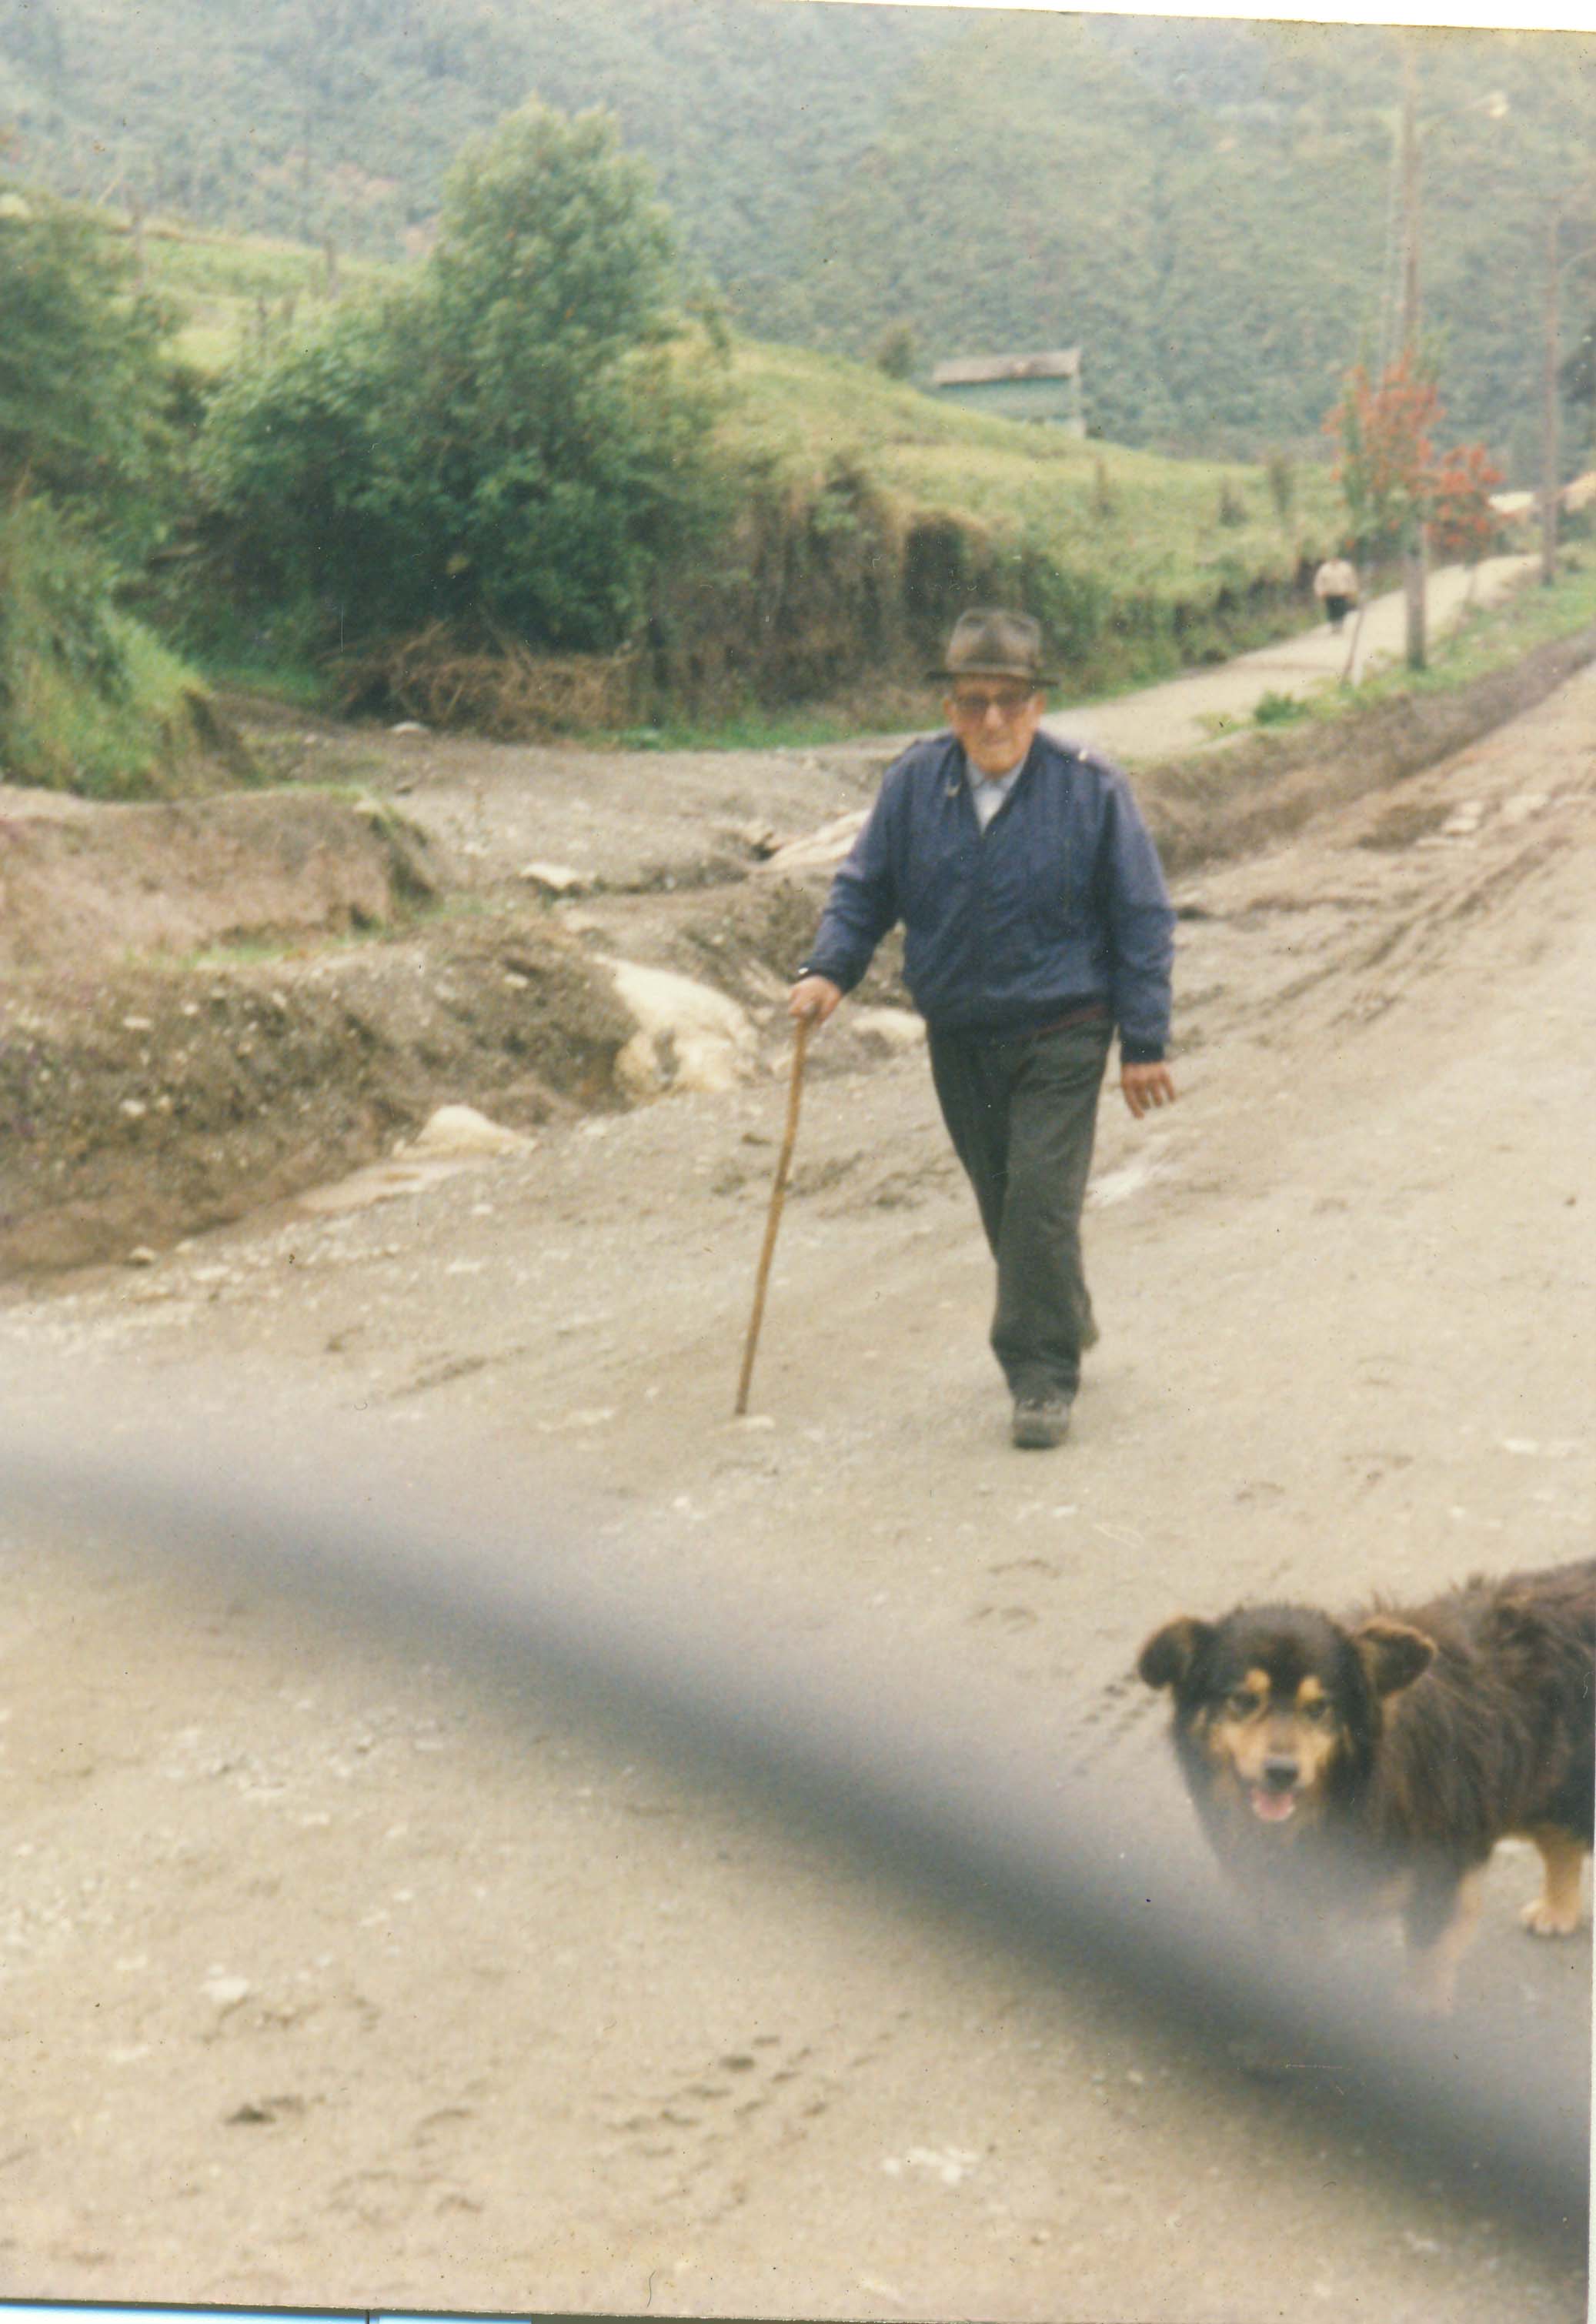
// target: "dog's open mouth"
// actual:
[[1273, 1807]]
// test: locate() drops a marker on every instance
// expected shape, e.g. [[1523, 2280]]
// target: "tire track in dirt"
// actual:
[[1460, 839]]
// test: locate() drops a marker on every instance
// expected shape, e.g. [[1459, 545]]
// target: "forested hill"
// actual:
[[1206, 208], [1211, 212], [311, 117]]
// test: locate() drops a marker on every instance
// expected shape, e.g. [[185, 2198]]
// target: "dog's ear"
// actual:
[[1168, 1655], [1393, 1654]]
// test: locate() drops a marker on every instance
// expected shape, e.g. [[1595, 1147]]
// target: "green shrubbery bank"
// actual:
[[90, 461]]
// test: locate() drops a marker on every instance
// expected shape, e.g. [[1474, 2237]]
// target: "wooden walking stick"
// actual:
[[778, 1196]]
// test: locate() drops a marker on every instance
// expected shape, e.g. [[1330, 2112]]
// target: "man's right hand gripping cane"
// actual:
[[814, 998]]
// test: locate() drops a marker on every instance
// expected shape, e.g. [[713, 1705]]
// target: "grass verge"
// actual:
[[1483, 639]]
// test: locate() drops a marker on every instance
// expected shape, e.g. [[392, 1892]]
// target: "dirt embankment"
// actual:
[[1226, 802], [144, 1107], [188, 1030], [83, 884]]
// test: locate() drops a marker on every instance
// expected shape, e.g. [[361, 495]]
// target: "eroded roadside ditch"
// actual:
[[210, 1007]]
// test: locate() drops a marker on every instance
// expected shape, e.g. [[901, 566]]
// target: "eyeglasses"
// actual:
[[1008, 702]]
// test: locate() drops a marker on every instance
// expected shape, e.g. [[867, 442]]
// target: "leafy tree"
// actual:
[[895, 351], [1385, 455], [295, 460], [1281, 477], [88, 700], [1463, 524], [82, 380], [1393, 479], [515, 439]]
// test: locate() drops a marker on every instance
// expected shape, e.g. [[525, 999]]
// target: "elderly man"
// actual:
[[1036, 922]]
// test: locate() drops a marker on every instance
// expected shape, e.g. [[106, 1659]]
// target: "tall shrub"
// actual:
[[1393, 478], [83, 380], [1463, 524], [513, 441], [89, 700]]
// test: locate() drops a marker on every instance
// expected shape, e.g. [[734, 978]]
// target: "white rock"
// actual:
[[141, 1256], [821, 849], [950, 2164], [460, 1130], [410, 726], [688, 1037], [227, 1992], [554, 879]]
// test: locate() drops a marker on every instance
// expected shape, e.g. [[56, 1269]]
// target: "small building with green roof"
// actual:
[[1043, 387]]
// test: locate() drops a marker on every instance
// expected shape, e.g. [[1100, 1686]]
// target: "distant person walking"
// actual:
[[1335, 585], [1036, 921]]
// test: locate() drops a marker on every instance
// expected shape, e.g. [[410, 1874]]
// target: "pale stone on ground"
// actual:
[[554, 879], [688, 1037], [819, 850], [459, 1130]]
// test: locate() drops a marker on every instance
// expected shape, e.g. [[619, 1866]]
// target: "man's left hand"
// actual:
[[1145, 1087]]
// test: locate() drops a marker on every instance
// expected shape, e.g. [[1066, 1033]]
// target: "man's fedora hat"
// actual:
[[991, 643]]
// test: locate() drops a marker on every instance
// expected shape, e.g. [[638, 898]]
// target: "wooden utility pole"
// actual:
[[1414, 551], [1551, 446]]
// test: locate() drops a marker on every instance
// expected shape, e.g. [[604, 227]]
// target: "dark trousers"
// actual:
[[1022, 1113]]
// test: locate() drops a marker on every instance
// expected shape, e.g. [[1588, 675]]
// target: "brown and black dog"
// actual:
[[1373, 1764]]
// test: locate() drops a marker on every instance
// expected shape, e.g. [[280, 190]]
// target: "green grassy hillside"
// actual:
[[1177, 530], [234, 294]]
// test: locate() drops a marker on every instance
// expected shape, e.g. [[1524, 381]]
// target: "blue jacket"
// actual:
[[1061, 900]]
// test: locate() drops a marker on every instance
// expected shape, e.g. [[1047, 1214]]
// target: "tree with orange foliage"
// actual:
[[1394, 480], [1463, 522], [1387, 455]]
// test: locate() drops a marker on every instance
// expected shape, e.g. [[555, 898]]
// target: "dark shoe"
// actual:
[[1041, 1422]]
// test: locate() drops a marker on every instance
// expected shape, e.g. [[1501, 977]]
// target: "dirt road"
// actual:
[[323, 1982]]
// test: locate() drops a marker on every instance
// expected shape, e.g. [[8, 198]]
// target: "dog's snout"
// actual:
[[1279, 1774]]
